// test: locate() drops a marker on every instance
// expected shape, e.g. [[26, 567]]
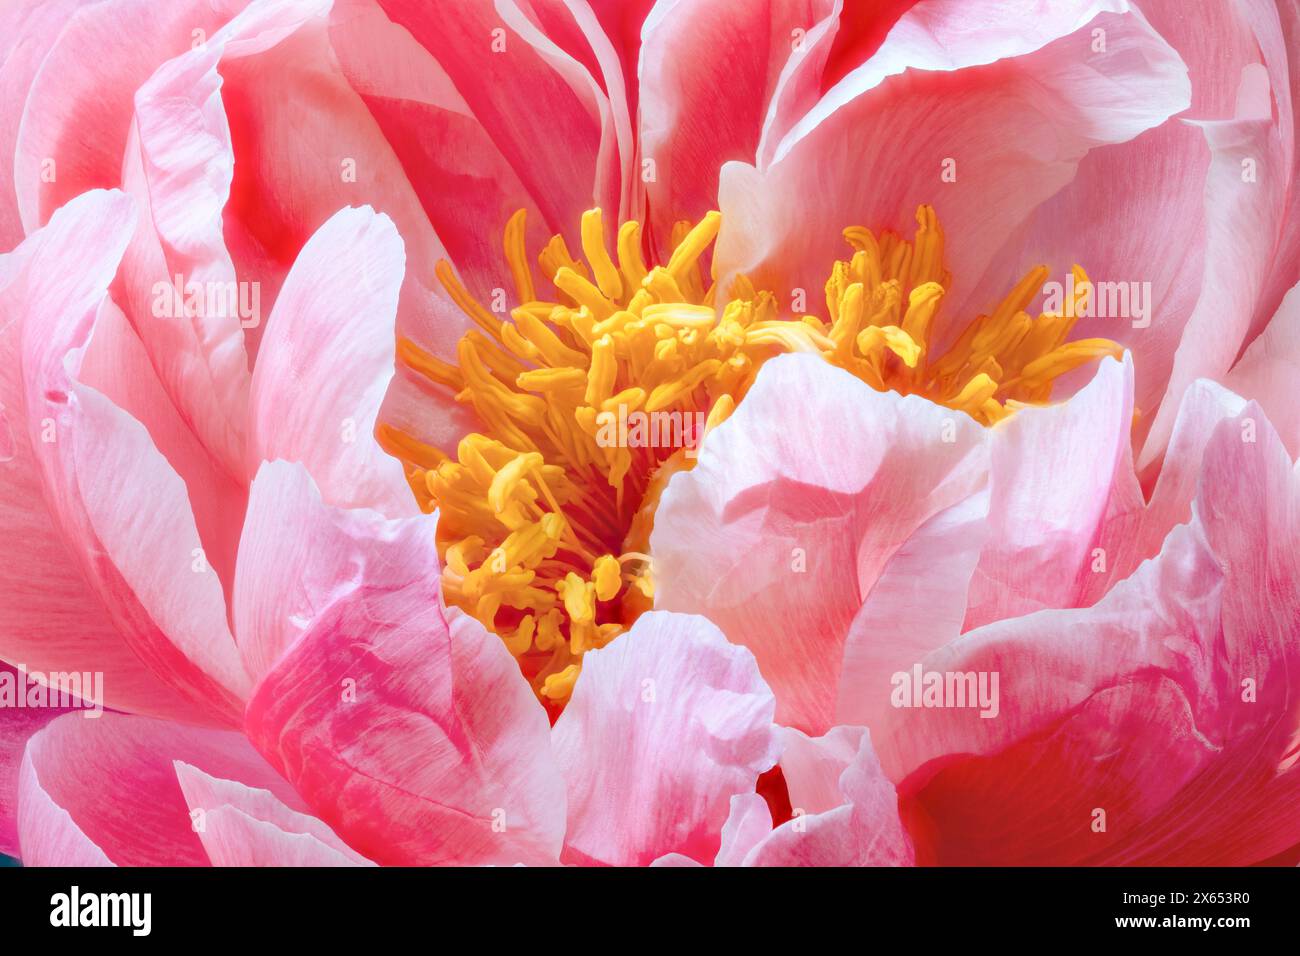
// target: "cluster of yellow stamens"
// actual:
[[544, 522], [882, 305]]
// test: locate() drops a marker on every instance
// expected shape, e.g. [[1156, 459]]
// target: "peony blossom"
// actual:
[[700, 432]]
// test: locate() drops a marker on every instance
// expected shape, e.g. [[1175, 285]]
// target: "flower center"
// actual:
[[592, 401]]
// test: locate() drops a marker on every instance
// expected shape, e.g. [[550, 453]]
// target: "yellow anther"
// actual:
[[577, 597], [607, 576], [517, 256], [629, 254], [689, 250], [559, 686], [603, 269], [507, 481]]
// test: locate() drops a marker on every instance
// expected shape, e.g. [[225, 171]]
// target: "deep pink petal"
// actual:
[[465, 185], [708, 73], [543, 120], [17, 723]]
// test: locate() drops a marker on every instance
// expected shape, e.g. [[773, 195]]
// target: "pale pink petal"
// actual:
[[1060, 475], [1204, 406], [864, 829], [326, 362], [240, 825], [1157, 727], [1272, 31], [120, 513], [1114, 220], [108, 784], [917, 604], [298, 555], [50, 618], [406, 726], [1244, 218], [116, 365], [812, 766], [1269, 371], [793, 510], [1010, 93], [665, 724], [748, 823]]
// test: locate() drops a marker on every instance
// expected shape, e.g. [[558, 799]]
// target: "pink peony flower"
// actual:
[[454, 608]]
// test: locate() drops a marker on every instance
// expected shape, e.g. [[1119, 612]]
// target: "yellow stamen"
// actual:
[[546, 517]]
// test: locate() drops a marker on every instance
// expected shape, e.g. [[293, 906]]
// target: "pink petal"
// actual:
[[540, 115], [1244, 218], [305, 146], [708, 73], [1268, 372], [918, 604], [105, 788], [812, 766], [406, 726], [1061, 476], [116, 365], [326, 362], [1167, 706], [79, 103], [748, 823], [665, 724], [622, 22], [1114, 219], [245, 826], [1204, 406], [465, 186], [1116, 215], [217, 221], [794, 508], [16, 725], [877, 142], [864, 829], [27, 31], [298, 555], [120, 509]]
